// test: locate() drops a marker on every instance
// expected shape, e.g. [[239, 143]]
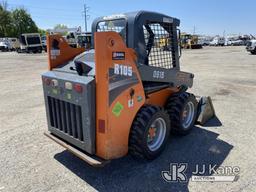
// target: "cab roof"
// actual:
[[136, 16]]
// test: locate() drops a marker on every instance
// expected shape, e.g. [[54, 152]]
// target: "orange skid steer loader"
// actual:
[[124, 95]]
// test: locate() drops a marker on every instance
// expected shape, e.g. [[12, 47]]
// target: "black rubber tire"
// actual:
[[138, 147], [253, 52], [175, 106]]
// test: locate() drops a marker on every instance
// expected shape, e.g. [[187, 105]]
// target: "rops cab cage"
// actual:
[[155, 39]]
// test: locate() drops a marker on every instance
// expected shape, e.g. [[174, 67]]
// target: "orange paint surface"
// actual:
[[61, 52]]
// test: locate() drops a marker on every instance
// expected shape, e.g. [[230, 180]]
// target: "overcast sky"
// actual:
[[210, 17]]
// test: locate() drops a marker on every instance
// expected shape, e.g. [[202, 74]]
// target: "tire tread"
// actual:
[[138, 129]]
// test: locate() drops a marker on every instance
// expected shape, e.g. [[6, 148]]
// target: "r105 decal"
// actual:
[[123, 70]]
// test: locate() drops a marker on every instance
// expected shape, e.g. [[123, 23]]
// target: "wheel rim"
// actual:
[[188, 114], [156, 134]]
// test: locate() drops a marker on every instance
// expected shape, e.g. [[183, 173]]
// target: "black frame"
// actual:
[[172, 76], [135, 34]]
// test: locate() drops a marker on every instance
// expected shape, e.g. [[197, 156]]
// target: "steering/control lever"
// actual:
[[81, 68]]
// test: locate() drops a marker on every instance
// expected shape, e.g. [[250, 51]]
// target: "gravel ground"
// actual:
[[31, 162]]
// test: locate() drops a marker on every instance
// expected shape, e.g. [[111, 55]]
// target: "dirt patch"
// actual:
[[223, 92]]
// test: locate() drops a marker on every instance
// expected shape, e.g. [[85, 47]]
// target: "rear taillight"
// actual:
[[102, 127], [78, 88]]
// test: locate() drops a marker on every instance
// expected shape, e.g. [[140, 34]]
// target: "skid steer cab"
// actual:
[[123, 96]]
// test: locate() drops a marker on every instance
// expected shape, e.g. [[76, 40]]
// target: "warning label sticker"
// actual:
[[117, 109]]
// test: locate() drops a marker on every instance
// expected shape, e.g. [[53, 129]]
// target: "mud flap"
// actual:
[[205, 110]]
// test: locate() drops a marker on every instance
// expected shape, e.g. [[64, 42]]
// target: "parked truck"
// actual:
[[218, 41], [84, 40], [30, 43], [44, 44], [251, 46], [4, 45]]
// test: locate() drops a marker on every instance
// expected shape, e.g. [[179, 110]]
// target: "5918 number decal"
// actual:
[[158, 74]]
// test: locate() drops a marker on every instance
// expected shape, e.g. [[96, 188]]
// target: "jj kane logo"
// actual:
[[201, 173]]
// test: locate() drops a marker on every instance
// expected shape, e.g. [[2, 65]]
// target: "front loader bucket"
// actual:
[[205, 110]]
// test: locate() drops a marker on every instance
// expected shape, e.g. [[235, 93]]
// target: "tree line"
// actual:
[[15, 22]]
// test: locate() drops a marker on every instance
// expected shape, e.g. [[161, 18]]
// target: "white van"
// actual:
[[5, 45], [218, 41], [14, 42]]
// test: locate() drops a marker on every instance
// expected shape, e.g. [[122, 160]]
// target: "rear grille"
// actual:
[[66, 117]]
